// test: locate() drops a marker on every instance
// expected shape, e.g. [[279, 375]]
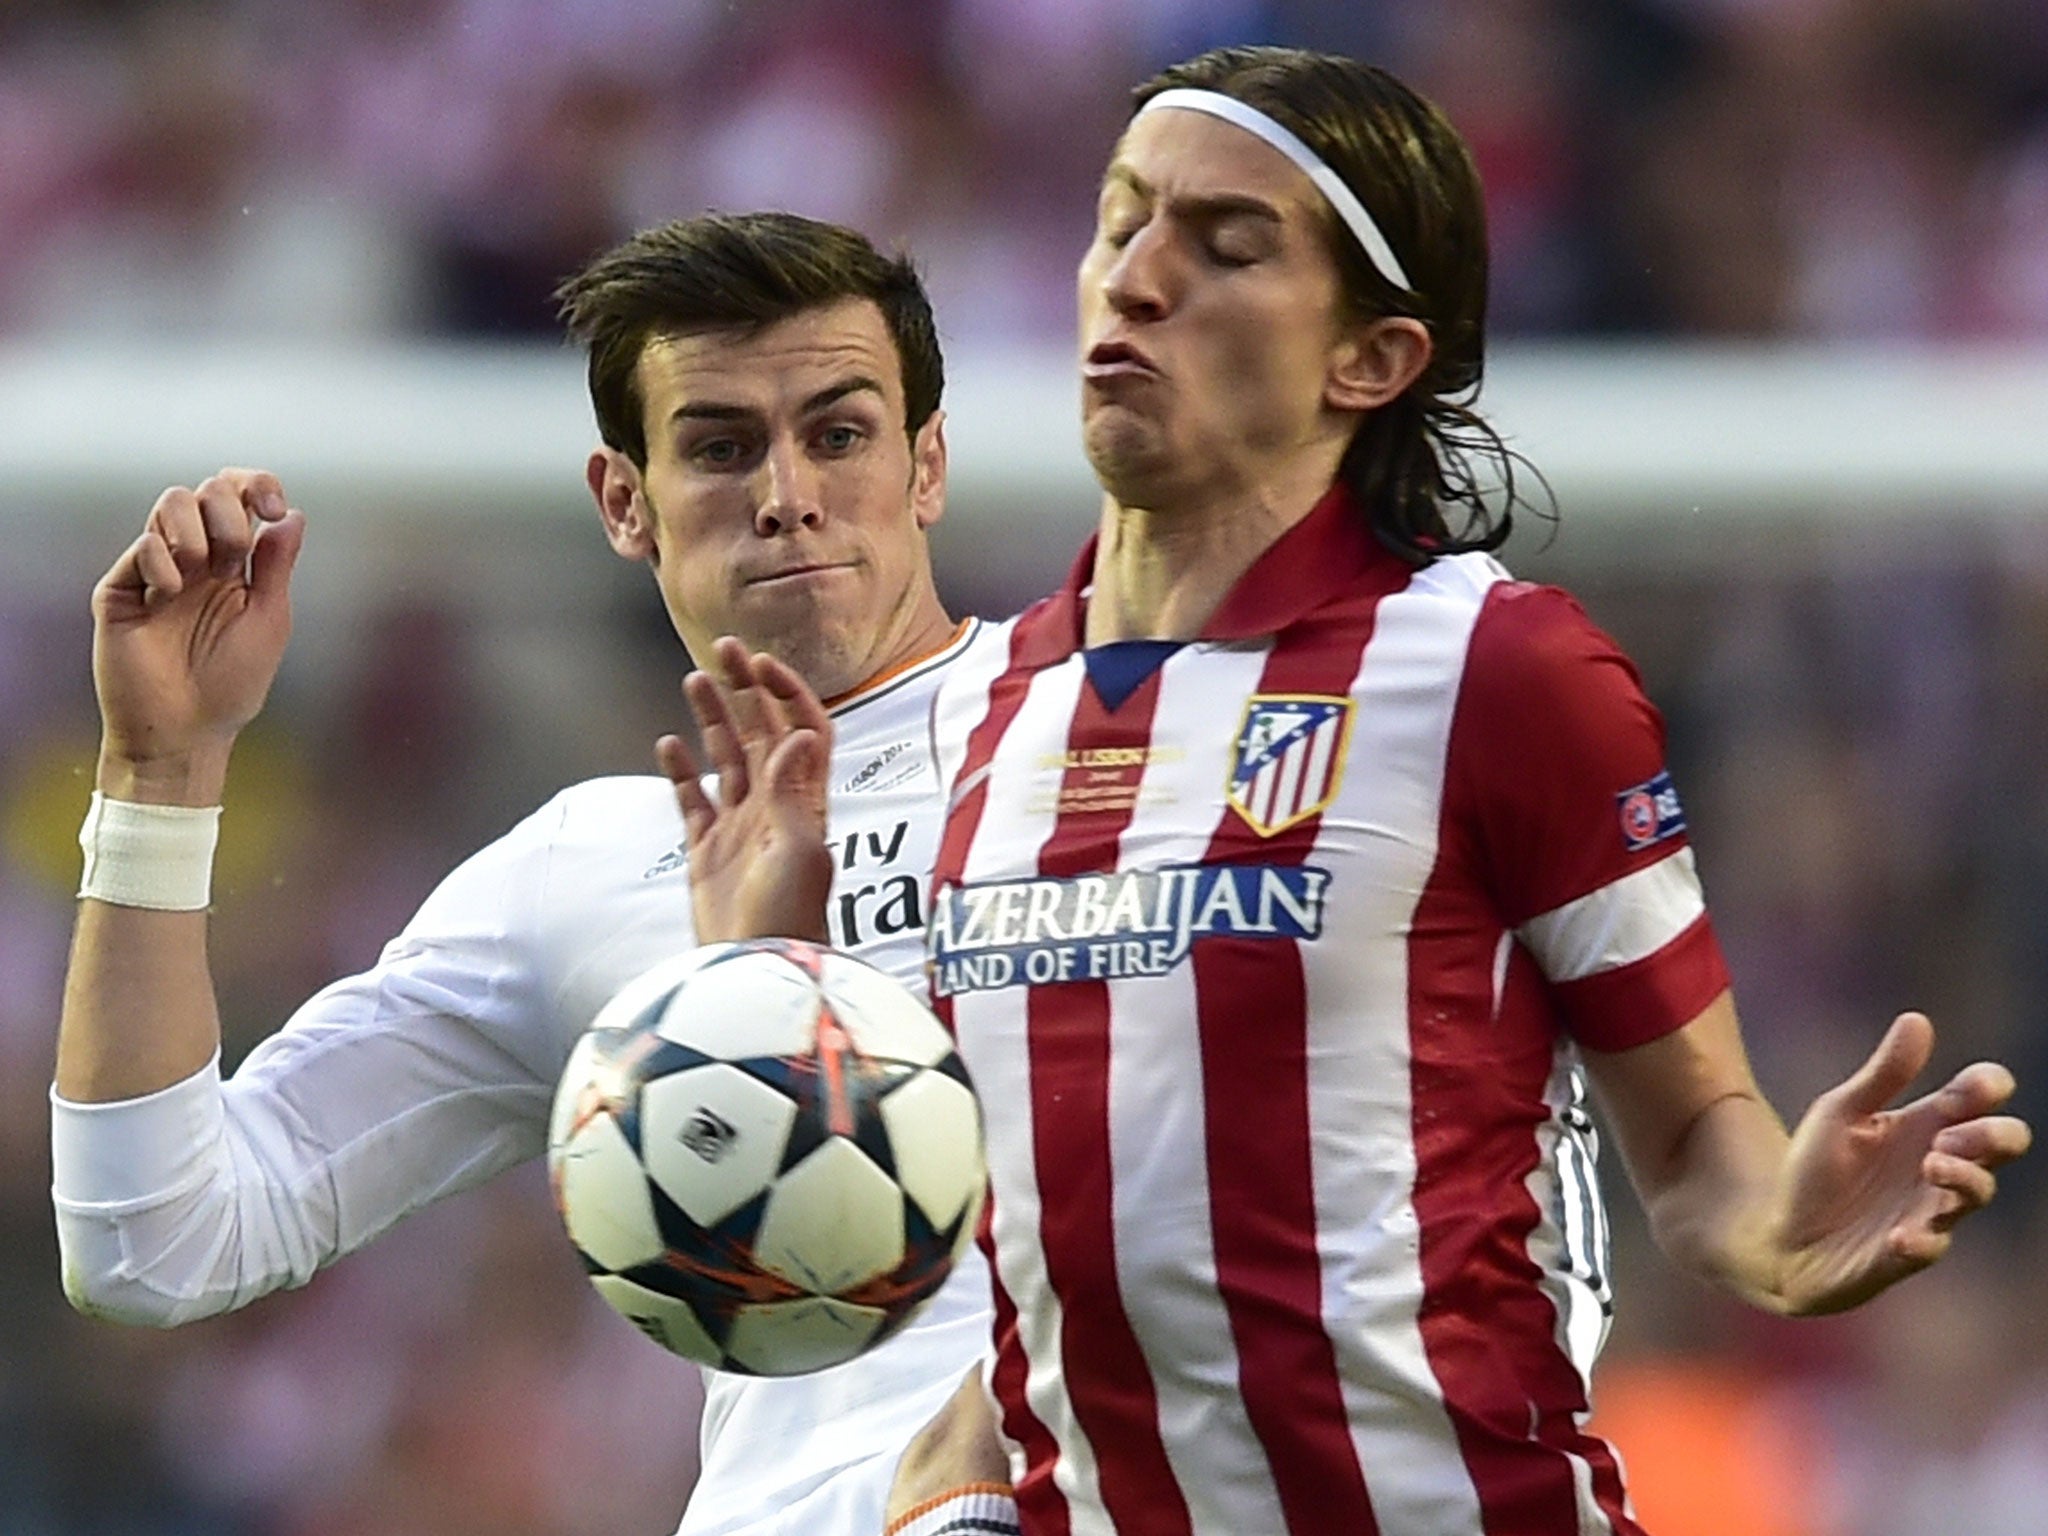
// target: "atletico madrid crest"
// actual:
[[1289, 758]]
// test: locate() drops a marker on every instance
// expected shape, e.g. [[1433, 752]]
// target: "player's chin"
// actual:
[[1128, 452], [822, 649]]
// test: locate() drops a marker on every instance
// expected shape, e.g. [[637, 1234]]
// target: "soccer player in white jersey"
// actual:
[[767, 390], [1296, 861]]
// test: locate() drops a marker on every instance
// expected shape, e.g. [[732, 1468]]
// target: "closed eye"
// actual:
[[1234, 238]]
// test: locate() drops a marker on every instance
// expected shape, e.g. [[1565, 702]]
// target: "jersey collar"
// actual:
[[890, 679], [1330, 553]]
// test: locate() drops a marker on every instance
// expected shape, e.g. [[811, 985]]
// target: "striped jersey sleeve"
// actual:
[[1556, 776]]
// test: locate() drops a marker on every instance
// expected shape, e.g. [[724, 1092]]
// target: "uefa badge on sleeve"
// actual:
[[1650, 812], [1288, 760]]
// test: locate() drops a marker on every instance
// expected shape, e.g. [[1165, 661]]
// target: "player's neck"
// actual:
[[930, 631], [1160, 573]]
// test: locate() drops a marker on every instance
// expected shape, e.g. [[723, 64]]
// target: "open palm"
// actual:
[[1871, 1194], [758, 861]]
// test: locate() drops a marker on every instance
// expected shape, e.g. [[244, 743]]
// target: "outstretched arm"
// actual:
[[189, 626], [1856, 1198], [758, 861]]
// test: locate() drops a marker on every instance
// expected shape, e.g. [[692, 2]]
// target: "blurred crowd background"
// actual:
[[1719, 167], [1859, 715]]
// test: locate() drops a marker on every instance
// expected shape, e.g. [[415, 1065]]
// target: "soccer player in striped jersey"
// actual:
[[1299, 862], [767, 389]]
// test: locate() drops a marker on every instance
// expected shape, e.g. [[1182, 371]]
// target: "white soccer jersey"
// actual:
[[435, 1069], [1269, 951]]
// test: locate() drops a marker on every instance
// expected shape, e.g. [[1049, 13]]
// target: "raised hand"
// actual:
[[758, 861], [1872, 1194], [189, 626]]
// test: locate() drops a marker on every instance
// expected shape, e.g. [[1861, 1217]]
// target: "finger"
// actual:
[[1992, 1141], [756, 718], [707, 703], [1918, 1246], [177, 520], [774, 719], [230, 527], [144, 576], [767, 698], [795, 774], [800, 706], [746, 674], [148, 566], [275, 557], [711, 706], [1976, 1090], [676, 761], [1970, 1186], [261, 492], [1970, 1095], [1899, 1058], [157, 571], [726, 670], [680, 765]]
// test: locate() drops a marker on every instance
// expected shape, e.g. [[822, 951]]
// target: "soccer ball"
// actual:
[[768, 1155]]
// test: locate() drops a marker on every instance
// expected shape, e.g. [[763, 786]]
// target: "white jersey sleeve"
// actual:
[[434, 1070], [420, 1077]]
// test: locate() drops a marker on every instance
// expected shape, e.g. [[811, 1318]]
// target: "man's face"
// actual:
[[1209, 314], [782, 501]]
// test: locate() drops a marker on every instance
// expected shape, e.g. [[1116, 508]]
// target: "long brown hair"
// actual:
[[1421, 464]]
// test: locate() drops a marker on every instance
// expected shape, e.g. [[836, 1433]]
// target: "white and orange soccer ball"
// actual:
[[767, 1154]]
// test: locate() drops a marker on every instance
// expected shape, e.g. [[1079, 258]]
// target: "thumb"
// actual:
[[276, 552], [1899, 1058]]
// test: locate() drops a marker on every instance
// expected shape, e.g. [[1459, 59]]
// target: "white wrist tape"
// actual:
[[155, 856], [979, 1509]]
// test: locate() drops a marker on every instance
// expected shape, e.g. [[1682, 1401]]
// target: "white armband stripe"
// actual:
[[1623, 922]]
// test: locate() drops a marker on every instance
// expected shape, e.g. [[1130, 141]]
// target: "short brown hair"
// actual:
[[737, 271], [1412, 460]]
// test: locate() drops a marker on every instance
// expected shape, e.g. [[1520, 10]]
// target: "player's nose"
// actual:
[[789, 490], [1138, 284]]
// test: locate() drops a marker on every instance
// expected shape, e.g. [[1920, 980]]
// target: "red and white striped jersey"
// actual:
[[1268, 953]]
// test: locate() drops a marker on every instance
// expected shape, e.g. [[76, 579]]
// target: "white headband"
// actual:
[[1327, 181]]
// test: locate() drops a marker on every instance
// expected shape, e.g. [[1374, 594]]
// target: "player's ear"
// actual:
[[1375, 362], [928, 470], [614, 482]]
